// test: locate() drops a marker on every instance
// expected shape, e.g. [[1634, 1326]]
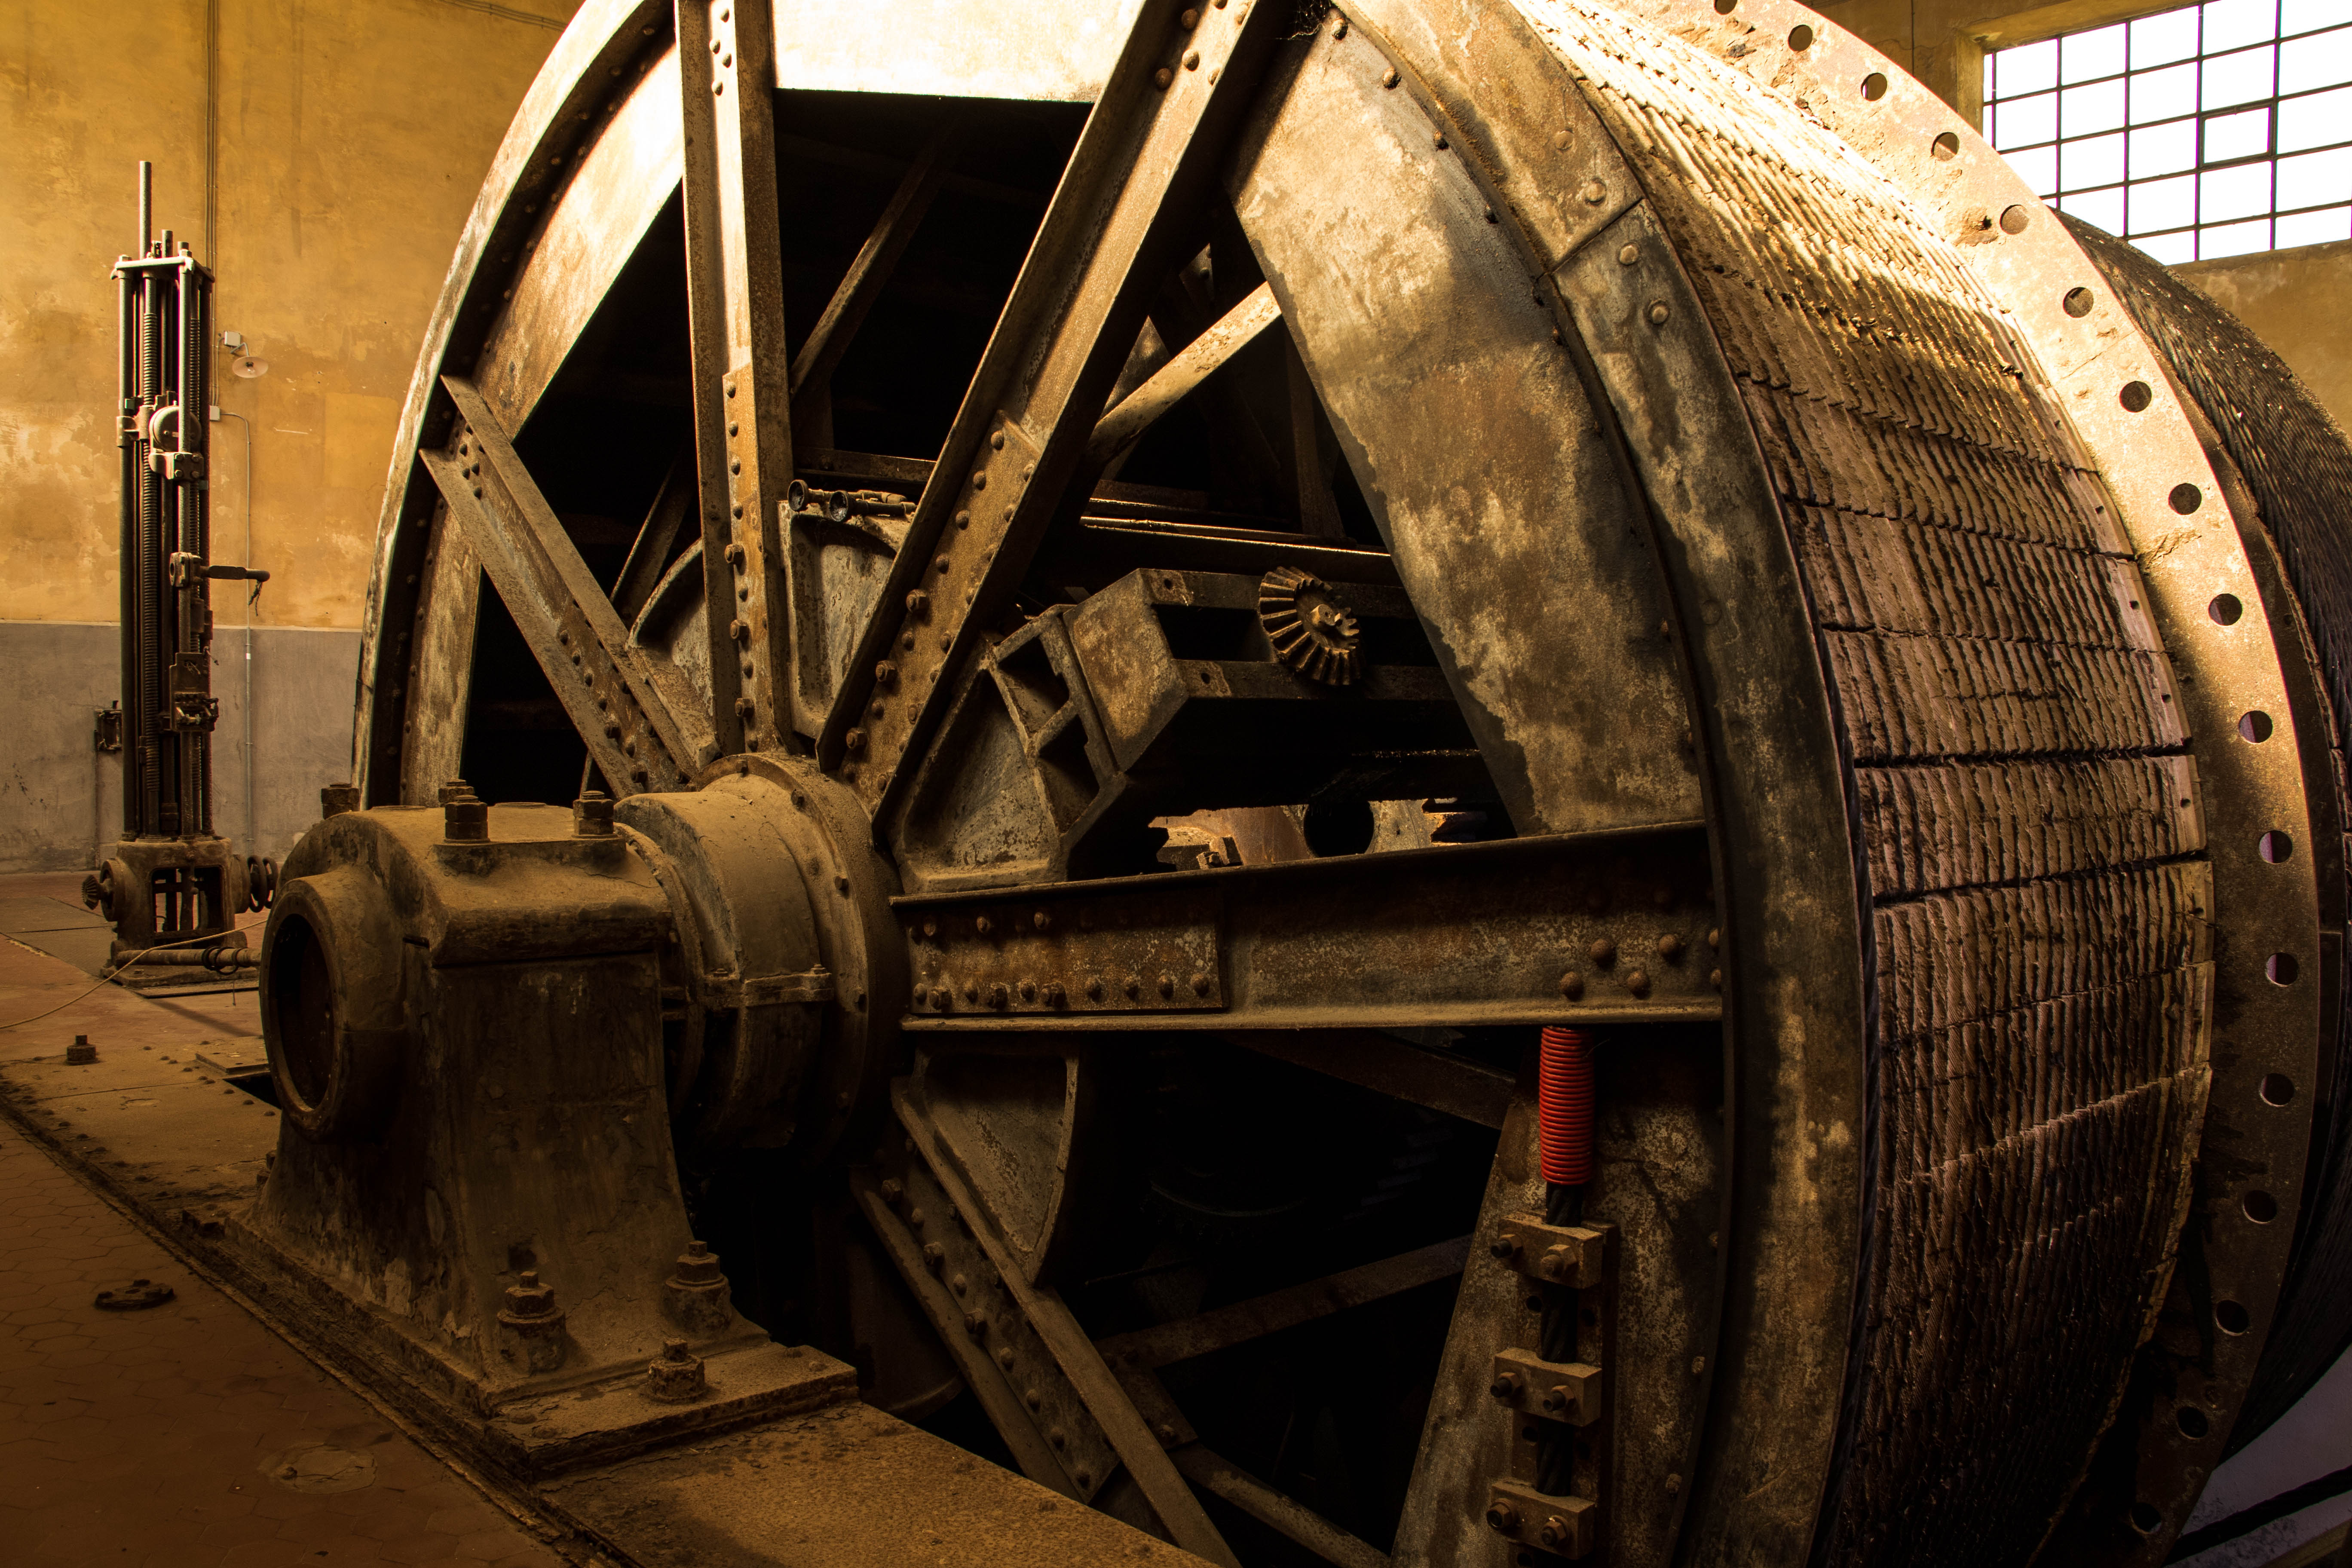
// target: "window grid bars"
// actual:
[[2197, 225]]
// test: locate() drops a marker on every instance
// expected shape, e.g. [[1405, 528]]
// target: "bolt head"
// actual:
[[1502, 1518], [1603, 951]]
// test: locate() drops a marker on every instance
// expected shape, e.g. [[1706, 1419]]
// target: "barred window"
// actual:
[[2210, 130]]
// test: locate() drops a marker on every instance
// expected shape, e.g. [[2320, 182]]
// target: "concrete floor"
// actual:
[[188, 1435]]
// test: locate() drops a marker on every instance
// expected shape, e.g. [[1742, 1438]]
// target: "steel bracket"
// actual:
[[1563, 1526], [1570, 1392], [1567, 1255]]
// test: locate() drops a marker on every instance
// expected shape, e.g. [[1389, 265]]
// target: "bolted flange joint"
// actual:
[[674, 1376], [697, 1298], [530, 1325]]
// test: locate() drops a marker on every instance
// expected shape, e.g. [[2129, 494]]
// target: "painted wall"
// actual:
[[345, 141]]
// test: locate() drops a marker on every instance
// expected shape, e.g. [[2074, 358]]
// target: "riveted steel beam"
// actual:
[[1021, 431], [1598, 928], [579, 641], [742, 401]]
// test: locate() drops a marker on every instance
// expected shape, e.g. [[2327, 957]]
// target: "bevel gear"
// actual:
[[1312, 629]]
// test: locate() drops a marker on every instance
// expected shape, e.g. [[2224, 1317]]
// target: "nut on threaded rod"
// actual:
[[464, 818], [592, 815], [675, 1377]]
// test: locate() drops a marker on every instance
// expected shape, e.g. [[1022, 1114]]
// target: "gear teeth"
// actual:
[[1331, 658]]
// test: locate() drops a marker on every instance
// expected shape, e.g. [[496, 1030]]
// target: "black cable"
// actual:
[[2246, 1520]]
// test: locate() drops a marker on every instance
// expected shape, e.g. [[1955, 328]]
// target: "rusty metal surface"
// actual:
[[2167, 507], [2292, 470], [1090, 1379], [1602, 926], [1024, 421], [742, 381], [1032, 1403], [1466, 420]]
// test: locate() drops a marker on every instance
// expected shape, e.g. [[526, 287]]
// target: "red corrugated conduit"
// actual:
[[1564, 1107]]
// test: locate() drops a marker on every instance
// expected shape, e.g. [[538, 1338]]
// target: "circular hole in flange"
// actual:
[[2260, 1206], [2186, 499], [1801, 38], [2192, 1421], [1945, 147], [2225, 609], [2255, 725], [2277, 1089], [2078, 301], [2275, 847], [2281, 968], [1873, 87], [2145, 1518], [2014, 219], [2136, 397], [2232, 1318]]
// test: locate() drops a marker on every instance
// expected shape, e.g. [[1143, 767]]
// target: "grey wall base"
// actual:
[[60, 797]]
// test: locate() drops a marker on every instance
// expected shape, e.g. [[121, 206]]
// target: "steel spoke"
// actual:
[[734, 268], [562, 614], [813, 366], [1187, 1338], [1117, 431], [657, 540], [1021, 435]]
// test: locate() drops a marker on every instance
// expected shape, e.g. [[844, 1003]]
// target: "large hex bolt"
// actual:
[[465, 819], [592, 815], [696, 1297], [530, 1325], [675, 1377], [337, 798]]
